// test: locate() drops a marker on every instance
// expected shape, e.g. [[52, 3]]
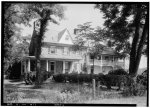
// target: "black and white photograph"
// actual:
[[74, 53]]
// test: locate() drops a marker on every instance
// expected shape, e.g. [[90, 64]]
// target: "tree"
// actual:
[[13, 14], [125, 21], [86, 35], [96, 51], [24, 13], [44, 13]]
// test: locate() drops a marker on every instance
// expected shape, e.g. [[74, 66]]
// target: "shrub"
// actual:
[[59, 77], [117, 72], [116, 80], [87, 78], [117, 77], [30, 77], [77, 78], [142, 79], [134, 89], [73, 77]]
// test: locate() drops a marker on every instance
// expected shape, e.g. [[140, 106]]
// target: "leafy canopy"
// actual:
[[120, 23]]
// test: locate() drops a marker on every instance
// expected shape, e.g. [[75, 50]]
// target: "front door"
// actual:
[[52, 67]]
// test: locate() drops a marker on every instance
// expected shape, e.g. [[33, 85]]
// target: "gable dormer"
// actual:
[[65, 37]]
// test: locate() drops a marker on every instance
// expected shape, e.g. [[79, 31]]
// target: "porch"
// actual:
[[54, 66]]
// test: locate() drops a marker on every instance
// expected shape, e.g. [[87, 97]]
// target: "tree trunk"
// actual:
[[38, 61], [38, 74], [140, 47], [133, 52], [93, 67], [38, 50]]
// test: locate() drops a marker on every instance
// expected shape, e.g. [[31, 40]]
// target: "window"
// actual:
[[66, 50], [99, 58], [52, 50], [67, 37], [48, 50], [62, 50]]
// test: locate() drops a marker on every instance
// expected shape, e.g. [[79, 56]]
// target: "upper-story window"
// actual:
[[67, 37], [52, 50], [66, 50]]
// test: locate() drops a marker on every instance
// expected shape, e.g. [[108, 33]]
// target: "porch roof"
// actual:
[[67, 58]]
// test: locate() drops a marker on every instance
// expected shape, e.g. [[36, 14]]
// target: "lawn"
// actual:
[[52, 92]]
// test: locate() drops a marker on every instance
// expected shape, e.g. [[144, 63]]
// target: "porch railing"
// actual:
[[106, 62]]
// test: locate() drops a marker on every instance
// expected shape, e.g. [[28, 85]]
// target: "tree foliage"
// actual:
[[123, 23], [91, 38], [13, 14]]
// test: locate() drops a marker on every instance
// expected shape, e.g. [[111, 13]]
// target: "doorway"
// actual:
[[52, 67]]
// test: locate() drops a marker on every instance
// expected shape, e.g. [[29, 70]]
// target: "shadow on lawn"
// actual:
[[15, 80]]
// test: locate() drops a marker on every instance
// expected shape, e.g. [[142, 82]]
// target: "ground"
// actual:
[[52, 92]]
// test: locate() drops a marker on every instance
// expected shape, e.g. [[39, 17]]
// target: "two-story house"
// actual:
[[57, 56]]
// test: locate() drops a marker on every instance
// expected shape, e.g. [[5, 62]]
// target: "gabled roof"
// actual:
[[60, 34]]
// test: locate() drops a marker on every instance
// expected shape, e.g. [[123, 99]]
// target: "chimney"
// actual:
[[75, 31]]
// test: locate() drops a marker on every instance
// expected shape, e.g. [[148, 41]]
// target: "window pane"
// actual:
[[53, 49]]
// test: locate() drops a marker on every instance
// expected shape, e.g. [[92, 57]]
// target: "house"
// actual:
[[57, 56]]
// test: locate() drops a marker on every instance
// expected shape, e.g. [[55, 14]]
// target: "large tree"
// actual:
[[23, 13], [126, 22], [13, 14], [90, 37], [44, 13]]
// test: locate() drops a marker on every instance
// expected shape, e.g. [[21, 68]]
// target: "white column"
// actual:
[[63, 66], [113, 63], [28, 65], [124, 63], [101, 64], [46, 65]]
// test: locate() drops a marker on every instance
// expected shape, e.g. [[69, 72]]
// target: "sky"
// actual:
[[74, 14]]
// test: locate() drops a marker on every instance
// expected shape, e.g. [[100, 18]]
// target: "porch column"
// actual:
[[28, 65], [124, 63], [101, 64], [63, 66], [46, 65]]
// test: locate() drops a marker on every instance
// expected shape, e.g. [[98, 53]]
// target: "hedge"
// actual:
[[118, 72], [107, 80], [77, 78]]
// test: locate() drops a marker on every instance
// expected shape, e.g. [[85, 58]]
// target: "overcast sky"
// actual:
[[75, 14]]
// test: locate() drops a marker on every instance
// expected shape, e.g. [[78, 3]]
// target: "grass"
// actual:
[[51, 92]]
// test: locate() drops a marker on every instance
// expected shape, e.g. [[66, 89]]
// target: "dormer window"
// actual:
[[67, 37]]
